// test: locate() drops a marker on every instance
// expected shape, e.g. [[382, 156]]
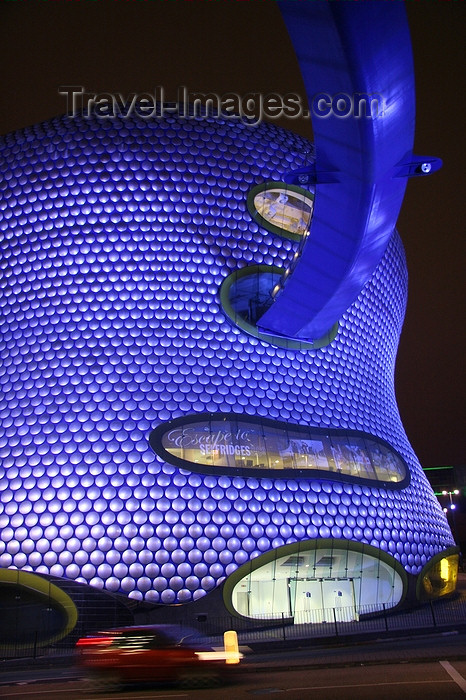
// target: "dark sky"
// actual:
[[219, 46]]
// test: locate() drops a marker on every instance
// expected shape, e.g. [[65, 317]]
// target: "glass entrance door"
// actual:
[[315, 600], [339, 595]]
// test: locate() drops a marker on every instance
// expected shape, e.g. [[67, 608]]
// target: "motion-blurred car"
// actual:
[[153, 654]]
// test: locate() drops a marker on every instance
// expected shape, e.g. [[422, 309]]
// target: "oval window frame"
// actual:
[[424, 589], [296, 548], [239, 322], [47, 593], [156, 443], [265, 223]]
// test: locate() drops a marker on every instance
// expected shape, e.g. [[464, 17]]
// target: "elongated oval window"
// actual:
[[242, 445]]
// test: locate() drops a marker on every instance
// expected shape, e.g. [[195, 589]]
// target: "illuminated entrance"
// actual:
[[316, 581]]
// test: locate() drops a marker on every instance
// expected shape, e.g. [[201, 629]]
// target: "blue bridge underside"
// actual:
[[352, 49]]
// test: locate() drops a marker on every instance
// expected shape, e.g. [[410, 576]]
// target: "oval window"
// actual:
[[26, 594], [247, 446], [439, 576], [282, 208], [247, 293], [316, 581]]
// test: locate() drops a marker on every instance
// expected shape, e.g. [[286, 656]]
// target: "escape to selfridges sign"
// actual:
[[221, 442]]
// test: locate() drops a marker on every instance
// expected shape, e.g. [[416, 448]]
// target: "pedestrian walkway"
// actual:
[[440, 615], [362, 641], [410, 649]]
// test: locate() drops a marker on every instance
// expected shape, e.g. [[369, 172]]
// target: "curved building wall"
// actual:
[[116, 237]]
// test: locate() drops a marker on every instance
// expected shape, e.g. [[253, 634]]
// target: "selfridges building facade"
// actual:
[[153, 442]]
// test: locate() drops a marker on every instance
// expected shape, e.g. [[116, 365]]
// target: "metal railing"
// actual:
[[325, 624], [340, 622]]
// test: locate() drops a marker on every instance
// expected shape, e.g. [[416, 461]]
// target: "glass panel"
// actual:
[[251, 294], [279, 452], [247, 293], [440, 578], [217, 443], [308, 453], [243, 443], [317, 585], [286, 209], [387, 465]]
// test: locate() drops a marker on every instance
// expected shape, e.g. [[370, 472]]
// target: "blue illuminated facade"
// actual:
[[116, 238]]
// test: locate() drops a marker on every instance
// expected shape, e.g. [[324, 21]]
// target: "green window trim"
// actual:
[[307, 546], [302, 195], [430, 584], [47, 591], [251, 329]]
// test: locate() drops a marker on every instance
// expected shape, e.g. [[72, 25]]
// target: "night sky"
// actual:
[[229, 46]]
